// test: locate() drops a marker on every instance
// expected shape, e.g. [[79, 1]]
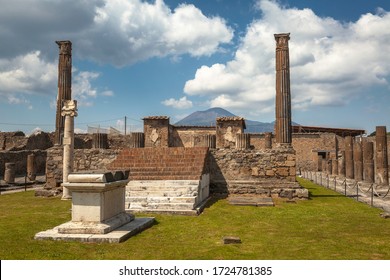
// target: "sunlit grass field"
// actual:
[[327, 226]]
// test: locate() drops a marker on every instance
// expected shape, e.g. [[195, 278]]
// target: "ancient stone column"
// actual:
[[64, 85], [243, 141], [358, 161], [329, 167], [69, 111], [342, 164], [382, 168], [268, 140], [100, 141], [324, 165], [335, 166], [319, 162], [31, 172], [137, 140], [283, 94], [9, 173], [209, 140], [349, 166], [368, 162]]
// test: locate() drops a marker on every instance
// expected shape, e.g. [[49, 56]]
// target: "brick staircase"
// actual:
[[173, 180]]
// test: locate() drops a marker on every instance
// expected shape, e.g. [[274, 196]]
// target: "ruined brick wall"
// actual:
[[188, 136], [226, 130], [20, 160], [243, 165], [84, 159]]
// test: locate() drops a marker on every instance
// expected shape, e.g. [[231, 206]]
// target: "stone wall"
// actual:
[[156, 130], [184, 136], [230, 170], [20, 160], [87, 159]]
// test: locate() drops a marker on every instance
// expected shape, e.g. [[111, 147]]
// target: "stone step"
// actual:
[[163, 193], [160, 199], [161, 206], [157, 185]]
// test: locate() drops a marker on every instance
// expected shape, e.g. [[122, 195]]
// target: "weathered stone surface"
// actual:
[[358, 161], [382, 168], [157, 131], [368, 162], [349, 166], [227, 130], [9, 174]]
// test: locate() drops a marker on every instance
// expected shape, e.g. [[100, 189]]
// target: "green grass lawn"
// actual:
[[328, 226]]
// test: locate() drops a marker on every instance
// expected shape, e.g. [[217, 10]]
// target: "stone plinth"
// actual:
[[98, 208], [9, 173]]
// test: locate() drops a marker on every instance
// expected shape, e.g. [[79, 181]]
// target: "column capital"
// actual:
[[282, 40], [69, 108], [65, 47]]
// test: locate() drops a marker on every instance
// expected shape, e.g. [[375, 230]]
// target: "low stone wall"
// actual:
[[90, 159], [254, 171], [20, 160]]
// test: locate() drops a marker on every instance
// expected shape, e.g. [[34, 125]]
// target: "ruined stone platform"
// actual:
[[116, 236], [251, 201]]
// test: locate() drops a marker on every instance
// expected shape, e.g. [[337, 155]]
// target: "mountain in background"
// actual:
[[208, 117]]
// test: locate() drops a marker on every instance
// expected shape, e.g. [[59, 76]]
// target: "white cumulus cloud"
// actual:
[[182, 103]]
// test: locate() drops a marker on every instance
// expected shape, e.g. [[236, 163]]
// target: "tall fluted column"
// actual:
[[349, 168], [382, 168], [368, 162], [69, 111], [64, 85], [283, 94]]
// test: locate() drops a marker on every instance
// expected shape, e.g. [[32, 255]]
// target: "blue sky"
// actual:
[[139, 58]]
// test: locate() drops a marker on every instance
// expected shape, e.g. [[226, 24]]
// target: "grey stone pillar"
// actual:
[[243, 141], [368, 162], [349, 168], [342, 164], [329, 166], [319, 162], [100, 141], [69, 111], [31, 172], [64, 85], [324, 165], [9, 173], [382, 168], [335, 166], [283, 95], [268, 140], [137, 140], [208, 140], [358, 161]]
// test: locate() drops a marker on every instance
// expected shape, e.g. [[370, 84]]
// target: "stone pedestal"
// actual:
[[349, 166], [31, 172], [382, 168], [98, 211], [9, 173], [243, 141], [268, 140], [368, 162], [137, 140]]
